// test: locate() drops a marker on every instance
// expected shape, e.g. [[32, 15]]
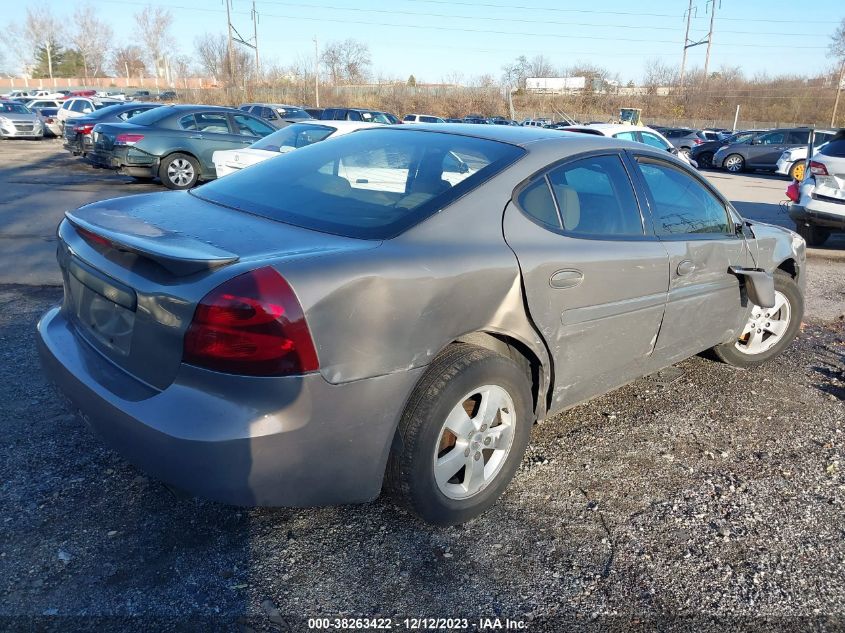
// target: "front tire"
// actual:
[[796, 172], [179, 171], [813, 235], [462, 435], [734, 163], [705, 160], [768, 331]]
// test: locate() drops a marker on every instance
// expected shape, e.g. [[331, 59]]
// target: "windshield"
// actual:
[[293, 136], [151, 117], [293, 113], [371, 184], [16, 108]]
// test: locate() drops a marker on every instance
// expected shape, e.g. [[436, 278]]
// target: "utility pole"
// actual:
[[838, 92], [255, 38], [736, 118], [709, 37], [316, 72], [686, 42], [230, 51]]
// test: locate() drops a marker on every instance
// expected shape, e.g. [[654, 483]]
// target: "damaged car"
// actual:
[[395, 308]]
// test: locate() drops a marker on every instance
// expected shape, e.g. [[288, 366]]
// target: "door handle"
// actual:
[[568, 278], [196, 136], [685, 267]]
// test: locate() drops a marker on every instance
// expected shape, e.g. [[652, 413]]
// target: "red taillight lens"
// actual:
[[93, 238], [83, 129], [252, 325], [697, 141], [792, 192], [818, 169], [127, 139]]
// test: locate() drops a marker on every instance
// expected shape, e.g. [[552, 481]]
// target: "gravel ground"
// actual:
[[702, 498]]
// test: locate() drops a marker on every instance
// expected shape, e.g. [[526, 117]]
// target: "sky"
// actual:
[[436, 40]]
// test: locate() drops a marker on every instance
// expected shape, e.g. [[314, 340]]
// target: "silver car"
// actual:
[[18, 121], [398, 306]]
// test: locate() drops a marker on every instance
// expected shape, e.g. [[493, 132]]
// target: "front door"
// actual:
[[595, 276], [705, 304]]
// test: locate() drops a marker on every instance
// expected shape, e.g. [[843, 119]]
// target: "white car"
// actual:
[[281, 141], [80, 106], [793, 161], [422, 118], [636, 133], [37, 104], [818, 202]]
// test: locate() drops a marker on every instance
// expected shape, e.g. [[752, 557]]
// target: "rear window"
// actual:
[[151, 117], [835, 148], [372, 184], [293, 137]]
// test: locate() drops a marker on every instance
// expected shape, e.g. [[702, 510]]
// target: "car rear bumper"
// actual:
[[820, 213], [292, 441]]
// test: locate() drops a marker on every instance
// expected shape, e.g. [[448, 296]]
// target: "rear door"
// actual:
[[705, 303], [595, 276], [207, 132], [764, 151]]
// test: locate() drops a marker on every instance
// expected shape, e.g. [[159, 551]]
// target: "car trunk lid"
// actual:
[[135, 268]]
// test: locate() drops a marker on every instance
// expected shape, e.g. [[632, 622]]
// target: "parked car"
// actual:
[[422, 118], [49, 121], [18, 94], [498, 120], [140, 95], [167, 95], [636, 133], [82, 93], [37, 104], [536, 122], [818, 202], [316, 113], [761, 151], [793, 161], [355, 114], [703, 154], [282, 141], [476, 120], [78, 133], [683, 138], [288, 335], [75, 107], [174, 143], [451, 120], [18, 121], [392, 118], [276, 114]]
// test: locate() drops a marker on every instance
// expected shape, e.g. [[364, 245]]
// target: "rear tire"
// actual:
[[796, 172], [734, 163], [448, 477], [705, 160], [776, 327], [179, 171], [813, 235]]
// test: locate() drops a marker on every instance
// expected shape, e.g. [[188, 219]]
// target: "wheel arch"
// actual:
[[790, 266]]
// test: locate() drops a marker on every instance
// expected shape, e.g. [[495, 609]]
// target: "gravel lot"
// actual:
[[701, 498]]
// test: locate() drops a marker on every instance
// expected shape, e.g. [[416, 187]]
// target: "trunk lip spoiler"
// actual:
[[172, 250]]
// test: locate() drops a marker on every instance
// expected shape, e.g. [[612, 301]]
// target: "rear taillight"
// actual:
[[93, 238], [251, 325], [793, 192], [83, 129], [127, 139], [49, 119], [697, 141], [818, 169]]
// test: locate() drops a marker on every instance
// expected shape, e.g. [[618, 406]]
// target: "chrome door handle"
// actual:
[[196, 136], [685, 267], [568, 278]]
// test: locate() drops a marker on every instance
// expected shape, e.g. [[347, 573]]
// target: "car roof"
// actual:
[[338, 125], [191, 107], [512, 134]]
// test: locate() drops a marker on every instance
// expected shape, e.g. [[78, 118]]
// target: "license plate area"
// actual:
[[103, 308]]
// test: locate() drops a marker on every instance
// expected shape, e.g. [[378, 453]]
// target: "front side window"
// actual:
[[773, 138], [372, 184], [79, 105], [680, 204], [250, 126], [595, 197], [798, 137]]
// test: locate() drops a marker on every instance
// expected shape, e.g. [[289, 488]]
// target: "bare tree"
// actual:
[[347, 61], [212, 54], [43, 29], [92, 38], [154, 24], [513, 75], [128, 61], [539, 66]]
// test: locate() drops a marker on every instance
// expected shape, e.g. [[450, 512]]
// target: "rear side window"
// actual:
[[409, 117], [773, 138], [212, 122], [428, 119], [188, 122], [680, 204], [626, 136], [798, 137], [654, 141], [835, 148], [293, 137], [372, 184], [536, 200], [596, 198]]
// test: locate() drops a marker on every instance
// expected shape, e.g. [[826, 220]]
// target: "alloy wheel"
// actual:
[[734, 163], [474, 442], [765, 326]]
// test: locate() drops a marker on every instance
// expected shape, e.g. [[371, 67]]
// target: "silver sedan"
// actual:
[[398, 306]]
